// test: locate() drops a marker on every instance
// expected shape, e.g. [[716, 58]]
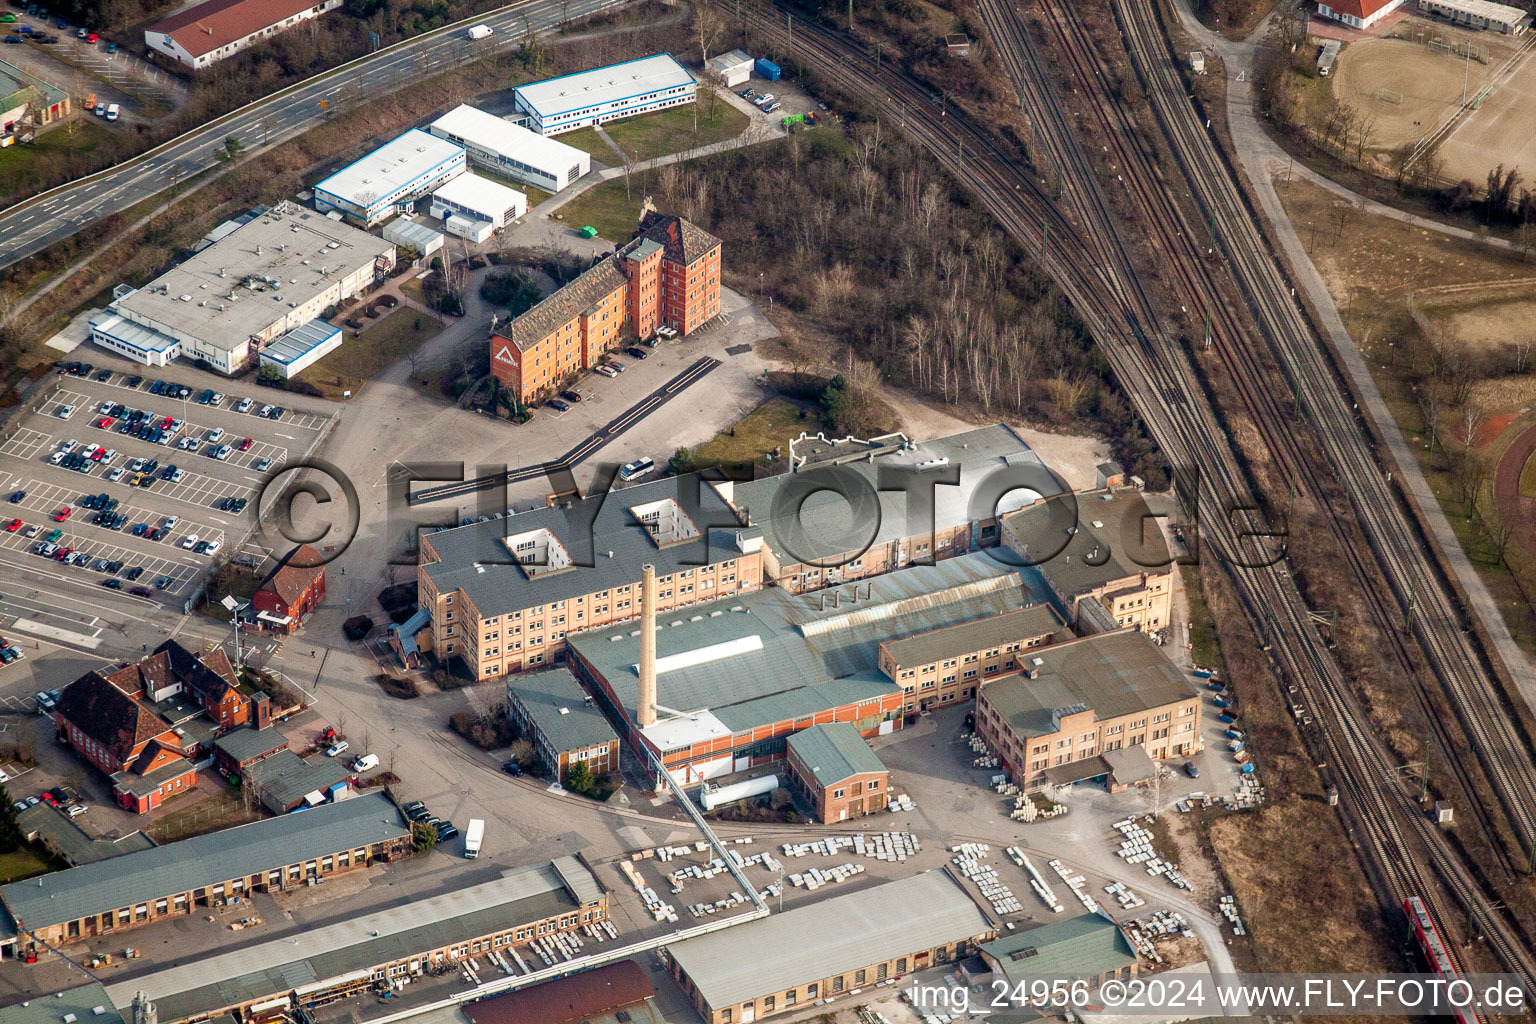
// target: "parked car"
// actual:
[[606, 370], [571, 396], [112, 584], [636, 352], [558, 405], [1191, 769], [189, 541], [262, 465], [141, 592], [336, 749], [512, 768]]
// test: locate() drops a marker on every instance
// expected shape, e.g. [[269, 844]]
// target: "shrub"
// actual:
[[487, 731], [357, 628]]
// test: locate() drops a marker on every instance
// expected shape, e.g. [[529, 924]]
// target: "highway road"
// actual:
[[31, 226]]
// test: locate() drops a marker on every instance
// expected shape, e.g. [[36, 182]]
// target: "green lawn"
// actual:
[[606, 207], [23, 165], [25, 862], [675, 130], [773, 424], [589, 141], [363, 356]]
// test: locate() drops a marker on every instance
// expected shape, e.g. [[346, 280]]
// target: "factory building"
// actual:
[[824, 950], [223, 305], [179, 878], [1076, 702], [916, 502], [941, 665], [731, 681], [835, 771], [503, 595], [668, 275], [391, 178], [1102, 548], [328, 964], [562, 722], [474, 207], [511, 149], [208, 32], [1085, 948], [638, 86], [1484, 15]]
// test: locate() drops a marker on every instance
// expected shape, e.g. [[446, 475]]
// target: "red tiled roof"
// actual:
[[299, 570], [683, 241], [576, 998], [108, 715], [1361, 9], [207, 27]]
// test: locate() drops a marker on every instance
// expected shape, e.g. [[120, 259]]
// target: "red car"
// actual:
[[62, 553], [97, 453], [91, 39], [105, 423], [165, 424], [48, 798], [13, 526], [245, 445], [62, 514]]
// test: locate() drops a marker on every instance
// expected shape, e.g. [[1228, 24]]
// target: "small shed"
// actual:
[[734, 68], [958, 44], [424, 238]]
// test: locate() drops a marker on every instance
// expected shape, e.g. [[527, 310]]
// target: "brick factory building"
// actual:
[[562, 722], [836, 772], [668, 275], [795, 960], [1052, 723], [1087, 947], [1103, 555], [177, 879]]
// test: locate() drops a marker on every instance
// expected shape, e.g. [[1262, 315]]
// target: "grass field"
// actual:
[[676, 130], [773, 424], [365, 355], [25, 862], [19, 163], [587, 140], [606, 207]]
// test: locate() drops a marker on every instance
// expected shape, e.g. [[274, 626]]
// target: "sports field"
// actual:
[[1404, 85], [1501, 130]]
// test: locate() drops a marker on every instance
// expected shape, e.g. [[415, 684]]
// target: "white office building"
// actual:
[[510, 149], [474, 198], [228, 302], [392, 177], [606, 94]]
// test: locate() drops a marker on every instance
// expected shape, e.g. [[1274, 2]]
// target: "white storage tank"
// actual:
[[714, 796]]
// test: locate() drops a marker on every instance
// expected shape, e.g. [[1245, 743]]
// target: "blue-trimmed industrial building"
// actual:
[[638, 86], [297, 350], [392, 177]]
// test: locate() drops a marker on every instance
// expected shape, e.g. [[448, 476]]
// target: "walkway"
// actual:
[[1259, 157]]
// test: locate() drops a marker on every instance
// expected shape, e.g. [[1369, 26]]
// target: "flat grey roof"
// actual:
[[768, 656], [60, 834], [321, 954], [286, 778], [603, 538], [560, 709], [834, 752], [824, 524], [978, 635], [835, 935], [1114, 674], [601, 86], [205, 860], [1115, 536], [244, 743], [300, 341], [404, 160], [84, 1002], [305, 252]]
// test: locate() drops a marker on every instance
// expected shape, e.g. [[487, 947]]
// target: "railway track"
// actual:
[[1079, 242]]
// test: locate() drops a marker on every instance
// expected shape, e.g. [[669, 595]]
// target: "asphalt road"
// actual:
[[31, 226]]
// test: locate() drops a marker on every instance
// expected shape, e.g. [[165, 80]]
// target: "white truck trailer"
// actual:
[[474, 837]]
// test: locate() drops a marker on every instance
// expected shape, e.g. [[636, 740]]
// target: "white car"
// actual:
[[77, 809], [117, 474], [213, 546], [109, 456], [215, 435], [336, 749], [223, 452], [171, 521], [218, 396], [189, 541], [57, 457], [64, 412], [244, 406], [68, 446], [606, 370]]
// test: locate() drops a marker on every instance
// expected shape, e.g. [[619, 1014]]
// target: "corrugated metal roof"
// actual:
[[982, 634], [1114, 536], [840, 934], [834, 752], [1079, 947], [205, 860]]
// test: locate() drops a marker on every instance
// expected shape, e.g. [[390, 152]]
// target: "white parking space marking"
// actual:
[[47, 498], [154, 566], [25, 445]]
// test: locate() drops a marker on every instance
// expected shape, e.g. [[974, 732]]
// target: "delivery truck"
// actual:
[[480, 32], [473, 837]]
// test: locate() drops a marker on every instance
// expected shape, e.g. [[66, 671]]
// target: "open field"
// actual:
[[1501, 130], [19, 170], [608, 208], [676, 130], [362, 356], [776, 422], [1429, 83]]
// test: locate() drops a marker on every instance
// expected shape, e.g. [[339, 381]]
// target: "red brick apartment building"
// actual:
[[668, 275]]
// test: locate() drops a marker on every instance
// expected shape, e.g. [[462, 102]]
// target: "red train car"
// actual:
[[1435, 953]]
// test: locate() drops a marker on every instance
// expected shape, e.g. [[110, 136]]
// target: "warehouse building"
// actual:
[[914, 502], [413, 234], [941, 665], [1077, 701], [638, 86], [87, 1002], [836, 772], [328, 964], [1484, 15], [138, 888], [474, 207], [731, 69], [817, 953], [391, 178], [1103, 546], [737, 677], [208, 32], [668, 275], [301, 348], [562, 722], [503, 595], [511, 149], [224, 304], [1085, 948]]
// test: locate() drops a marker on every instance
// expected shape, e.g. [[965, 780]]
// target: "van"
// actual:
[[90, 102], [112, 111], [638, 468], [366, 763]]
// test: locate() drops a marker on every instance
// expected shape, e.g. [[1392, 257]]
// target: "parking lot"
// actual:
[[156, 484]]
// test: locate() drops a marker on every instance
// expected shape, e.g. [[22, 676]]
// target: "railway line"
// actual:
[[1080, 243]]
